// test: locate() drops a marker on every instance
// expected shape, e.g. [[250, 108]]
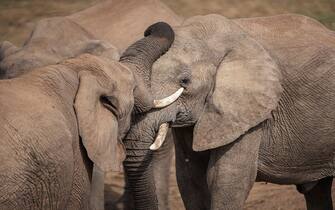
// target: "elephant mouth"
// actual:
[[164, 127], [182, 120], [184, 124]]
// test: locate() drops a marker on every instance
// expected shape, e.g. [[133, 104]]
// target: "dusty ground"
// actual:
[[263, 196], [17, 17]]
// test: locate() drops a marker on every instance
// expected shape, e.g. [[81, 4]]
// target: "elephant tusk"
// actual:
[[163, 129], [168, 100]]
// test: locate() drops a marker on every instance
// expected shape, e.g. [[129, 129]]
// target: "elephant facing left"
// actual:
[[60, 122]]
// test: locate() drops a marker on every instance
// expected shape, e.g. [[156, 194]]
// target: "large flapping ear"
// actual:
[[246, 86], [98, 127]]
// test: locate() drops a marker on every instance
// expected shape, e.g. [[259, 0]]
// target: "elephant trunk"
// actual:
[[141, 55], [138, 164], [139, 175]]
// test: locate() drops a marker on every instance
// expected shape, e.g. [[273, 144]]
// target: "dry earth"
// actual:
[[263, 196], [17, 18]]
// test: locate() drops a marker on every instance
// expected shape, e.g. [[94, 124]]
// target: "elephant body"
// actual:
[[256, 104], [43, 164], [60, 120], [95, 30], [112, 19], [302, 124]]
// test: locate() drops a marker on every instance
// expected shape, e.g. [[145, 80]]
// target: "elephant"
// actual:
[[248, 100], [60, 122], [52, 40], [94, 30], [111, 23]]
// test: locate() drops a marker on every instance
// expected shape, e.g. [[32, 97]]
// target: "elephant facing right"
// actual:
[[249, 100]]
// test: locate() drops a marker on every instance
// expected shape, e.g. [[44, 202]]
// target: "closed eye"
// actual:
[[110, 104]]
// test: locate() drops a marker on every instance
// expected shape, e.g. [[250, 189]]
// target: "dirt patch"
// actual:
[[263, 196]]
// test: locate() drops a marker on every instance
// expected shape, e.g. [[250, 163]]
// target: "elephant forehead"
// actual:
[[120, 72], [184, 52]]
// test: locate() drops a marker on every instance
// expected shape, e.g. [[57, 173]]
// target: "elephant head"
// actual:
[[214, 77], [138, 59], [92, 93], [51, 41]]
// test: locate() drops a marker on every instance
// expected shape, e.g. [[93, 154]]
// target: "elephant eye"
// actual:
[[110, 104], [185, 81]]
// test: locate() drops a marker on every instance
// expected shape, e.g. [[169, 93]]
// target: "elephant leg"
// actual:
[[162, 160], [318, 196], [232, 172], [191, 170]]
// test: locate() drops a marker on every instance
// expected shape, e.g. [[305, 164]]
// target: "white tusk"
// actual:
[[163, 129], [168, 100]]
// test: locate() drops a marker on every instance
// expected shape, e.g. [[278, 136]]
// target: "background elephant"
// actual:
[[253, 97], [48, 147], [51, 41], [94, 30], [119, 23]]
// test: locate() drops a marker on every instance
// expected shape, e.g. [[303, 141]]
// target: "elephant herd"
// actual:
[[246, 100]]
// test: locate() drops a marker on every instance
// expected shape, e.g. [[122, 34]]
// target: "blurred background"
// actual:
[[17, 18]]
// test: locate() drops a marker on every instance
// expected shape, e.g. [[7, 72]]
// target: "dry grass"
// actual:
[[17, 17]]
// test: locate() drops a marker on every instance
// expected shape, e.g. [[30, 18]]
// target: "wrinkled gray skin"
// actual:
[[45, 164], [56, 39], [258, 105]]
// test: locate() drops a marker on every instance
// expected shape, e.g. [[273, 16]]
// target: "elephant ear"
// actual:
[[247, 88], [6, 49], [98, 127]]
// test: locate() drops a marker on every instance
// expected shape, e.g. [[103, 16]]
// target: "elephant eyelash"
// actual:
[[107, 102]]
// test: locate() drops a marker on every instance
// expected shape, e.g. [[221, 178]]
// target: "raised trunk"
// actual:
[[140, 56]]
